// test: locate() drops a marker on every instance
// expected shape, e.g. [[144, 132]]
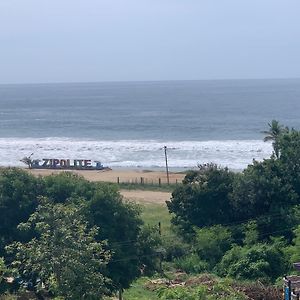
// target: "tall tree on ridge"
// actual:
[[275, 130]]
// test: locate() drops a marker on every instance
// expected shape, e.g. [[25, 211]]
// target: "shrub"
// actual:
[[262, 261], [211, 243], [191, 264], [180, 293], [174, 248]]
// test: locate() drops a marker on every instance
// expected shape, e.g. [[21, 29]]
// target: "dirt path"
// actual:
[[146, 196]]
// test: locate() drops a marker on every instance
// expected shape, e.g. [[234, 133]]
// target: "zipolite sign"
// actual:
[[67, 164]]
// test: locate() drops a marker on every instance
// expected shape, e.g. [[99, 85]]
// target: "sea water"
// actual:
[[127, 124]]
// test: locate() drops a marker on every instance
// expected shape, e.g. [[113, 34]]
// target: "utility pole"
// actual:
[[167, 169]]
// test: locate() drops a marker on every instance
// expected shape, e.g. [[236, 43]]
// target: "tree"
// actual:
[[274, 132], [64, 255], [264, 193], [102, 206], [203, 199], [19, 192], [66, 185], [121, 226]]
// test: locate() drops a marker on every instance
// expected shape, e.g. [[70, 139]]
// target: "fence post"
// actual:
[[118, 180], [160, 254], [159, 181]]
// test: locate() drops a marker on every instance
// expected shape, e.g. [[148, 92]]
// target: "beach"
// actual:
[[125, 176], [132, 176]]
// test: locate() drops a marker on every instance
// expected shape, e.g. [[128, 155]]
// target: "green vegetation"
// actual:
[[153, 213], [66, 237], [138, 291], [63, 249], [203, 287], [82, 240], [243, 225]]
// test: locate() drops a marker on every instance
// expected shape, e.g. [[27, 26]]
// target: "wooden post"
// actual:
[[160, 255], [142, 180], [159, 181], [120, 294], [159, 228], [176, 182], [118, 180]]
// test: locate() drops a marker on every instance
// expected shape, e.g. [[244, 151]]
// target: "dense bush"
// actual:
[[261, 261], [19, 192], [211, 243], [218, 290], [191, 264], [293, 249], [64, 256], [174, 247], [266, 191], [203, 199], [100, 204]]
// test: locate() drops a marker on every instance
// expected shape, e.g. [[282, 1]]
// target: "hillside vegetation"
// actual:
[[224, 235]]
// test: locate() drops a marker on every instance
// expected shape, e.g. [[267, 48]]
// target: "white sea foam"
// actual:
[[236, 154]]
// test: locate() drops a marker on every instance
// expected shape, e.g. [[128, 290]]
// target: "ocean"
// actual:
[[127, 124]]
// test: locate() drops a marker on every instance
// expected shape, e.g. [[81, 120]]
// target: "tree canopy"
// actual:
[[266, 191], [101, 206], [64, 256]]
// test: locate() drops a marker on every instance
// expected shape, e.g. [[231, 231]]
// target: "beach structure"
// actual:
[[291, 285]]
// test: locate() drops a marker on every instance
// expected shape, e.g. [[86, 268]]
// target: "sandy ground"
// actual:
[[146, 196], [123, 175], [139, 196]]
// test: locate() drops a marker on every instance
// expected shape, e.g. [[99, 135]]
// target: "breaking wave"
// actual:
[[235, 154]]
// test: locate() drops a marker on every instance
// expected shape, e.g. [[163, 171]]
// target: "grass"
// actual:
[[148, 187], [154, 213], [137, 291]]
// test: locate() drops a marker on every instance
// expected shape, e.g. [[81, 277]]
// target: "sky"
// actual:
[[45, 41]]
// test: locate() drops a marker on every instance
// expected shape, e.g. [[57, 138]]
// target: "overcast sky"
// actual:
[[116, 40]]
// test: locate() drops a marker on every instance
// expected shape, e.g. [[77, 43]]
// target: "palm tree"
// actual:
[[275, 130]]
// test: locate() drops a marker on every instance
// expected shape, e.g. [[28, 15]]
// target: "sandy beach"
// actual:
[[125, 176]]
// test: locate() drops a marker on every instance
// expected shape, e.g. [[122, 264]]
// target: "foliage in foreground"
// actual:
[[203, 287], [230, 219], [131, 247], [267, 191], [261, 261], [65, 256]]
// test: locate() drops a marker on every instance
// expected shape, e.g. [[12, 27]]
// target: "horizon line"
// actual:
[[151, 81]]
